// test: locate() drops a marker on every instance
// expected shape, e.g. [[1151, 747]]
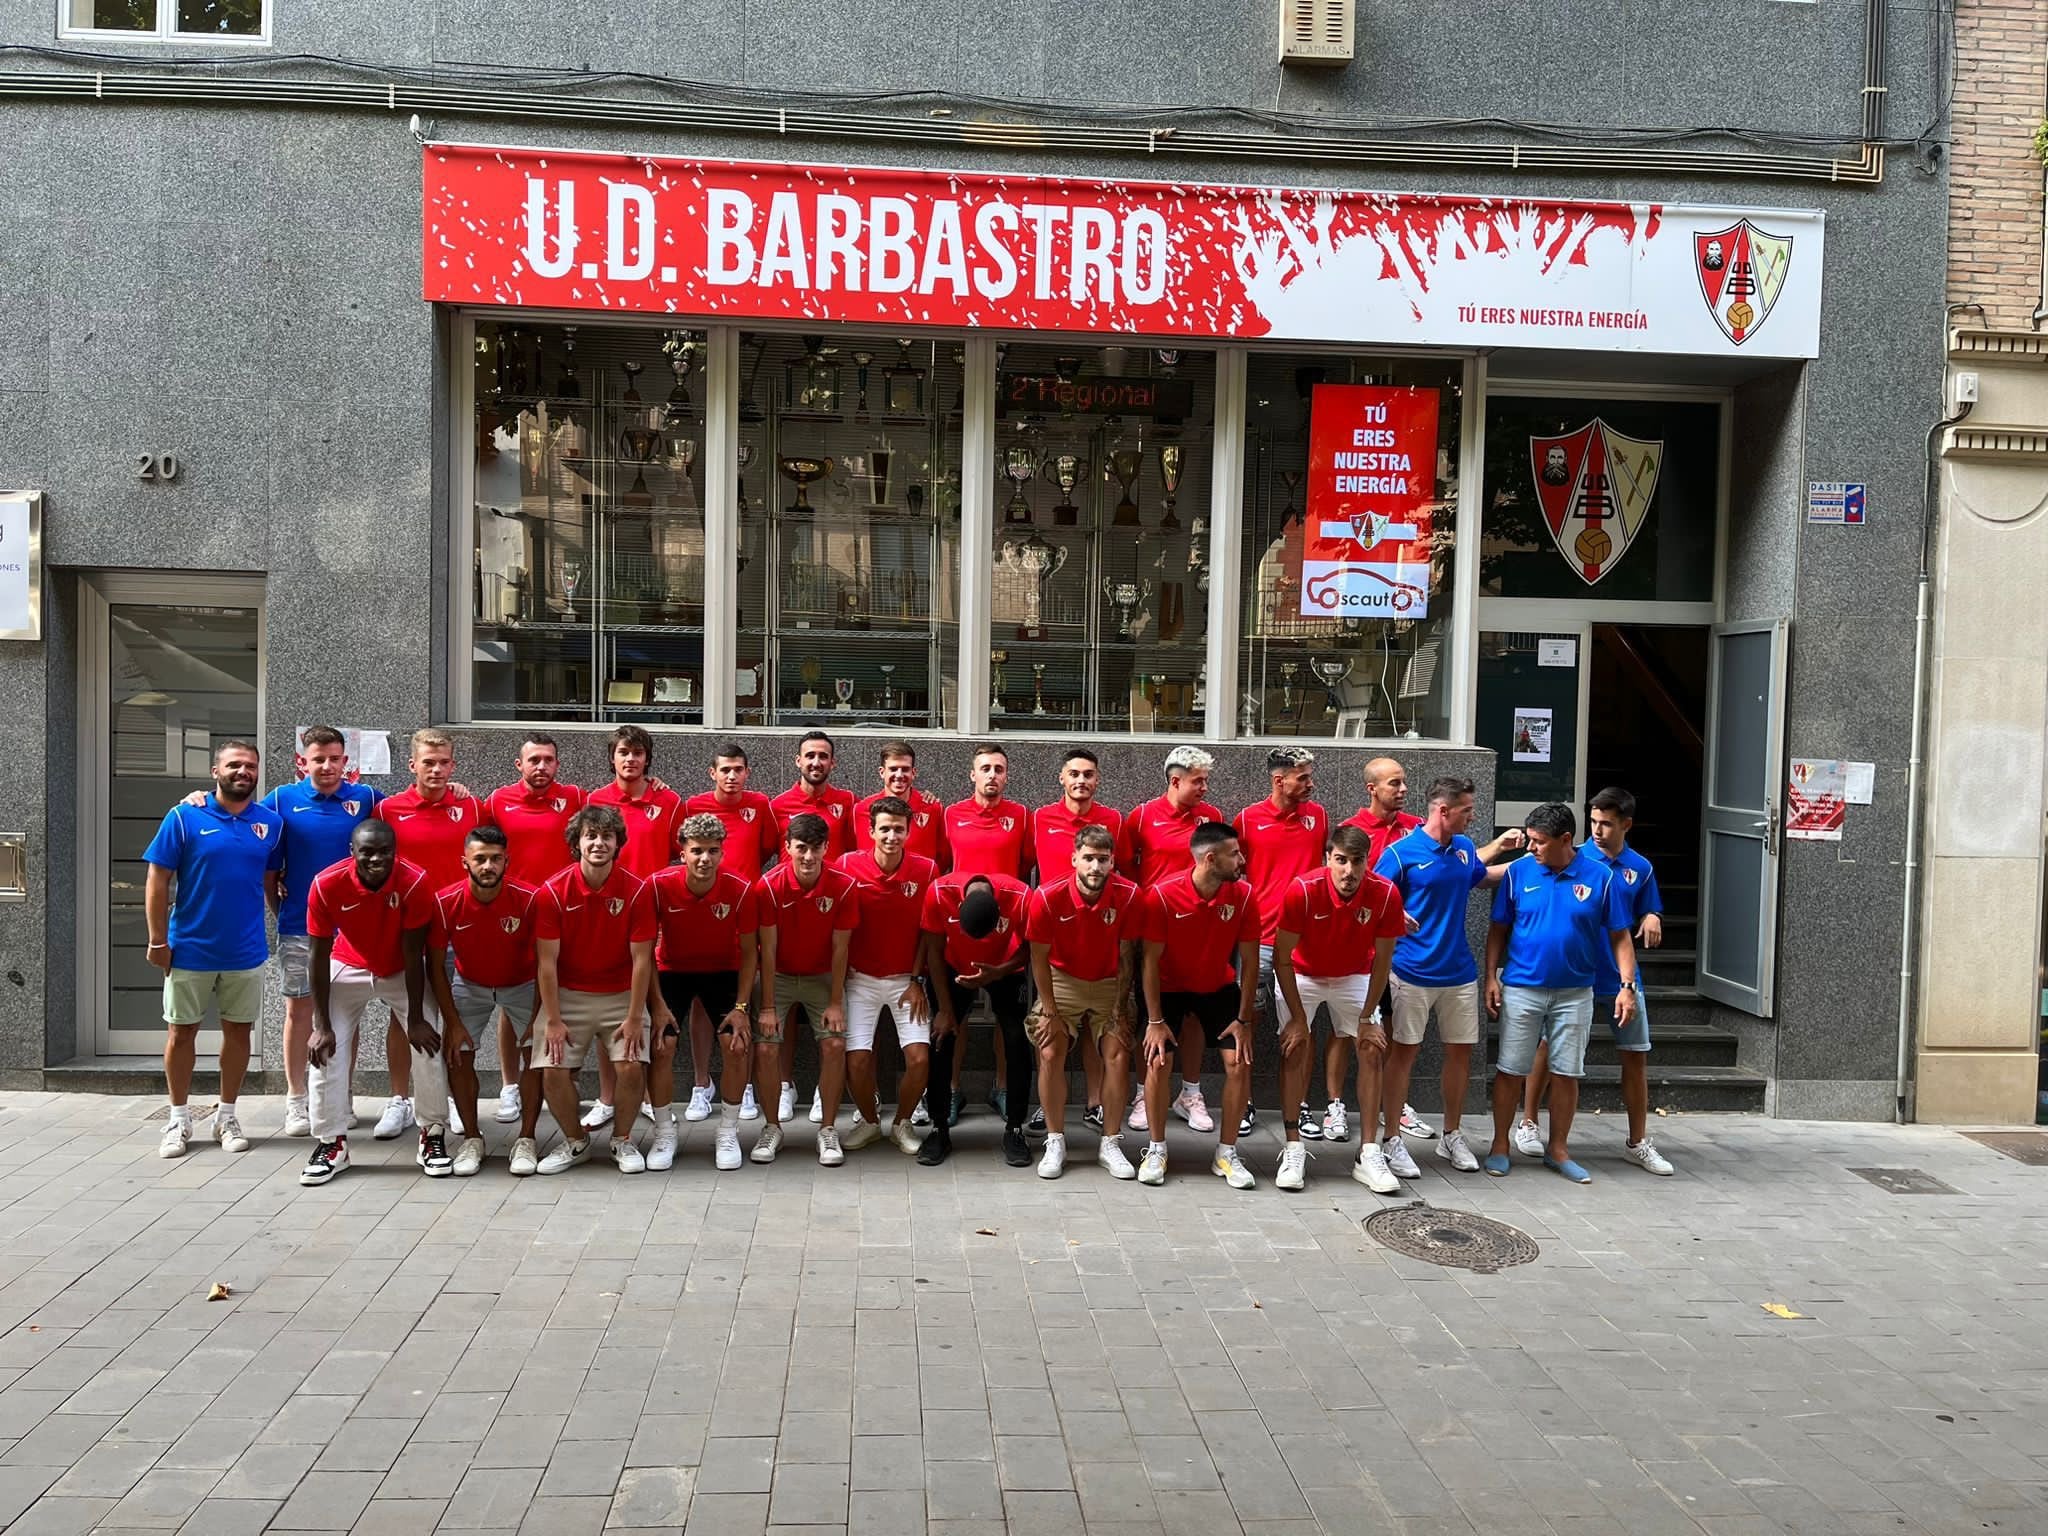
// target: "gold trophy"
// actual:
[[1065, 470], [804, 471], [1124, 466], [1019, 464], [1172, 462]]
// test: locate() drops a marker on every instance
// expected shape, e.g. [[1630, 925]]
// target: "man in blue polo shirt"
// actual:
[[1552, 916], [210, 867], [1436, 868]]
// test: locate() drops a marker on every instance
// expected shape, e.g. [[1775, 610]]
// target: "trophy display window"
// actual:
[[849, 529], [1099, 597], [588, 581], [1303, 675]]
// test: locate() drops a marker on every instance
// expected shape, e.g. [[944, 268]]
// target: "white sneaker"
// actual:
[[1396, 1153], [767, 1144], [865, 1133], [661, 1151], [1188, 1104], [1644, 1153], [328, 1159], [1137, 1121], [1452, 1149], [598, 1115], [1527, 1138], [749, 1110], [904, 1134], [725, 1148], [525, 1157], [1228, 1165], [1153, 1169], [565, 1155], [788, 1109], [647, 1111], [627, 1158], [432, 1156], [177, 1138], [227, 1131], [1293, 1166], [921, 1116], [469, 1157], [700, 1104], [817, 1106], [1054, 1163], [1336, 1122], [1111, 1156], [1414, 1125], [298, 1119], [508, 1104], [1372, 1171], [830, 1153], [396, 1120]]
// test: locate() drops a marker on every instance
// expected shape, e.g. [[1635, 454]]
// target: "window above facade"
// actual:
[[233, 21]]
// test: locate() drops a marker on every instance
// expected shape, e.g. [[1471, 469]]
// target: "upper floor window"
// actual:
[[179, 20]]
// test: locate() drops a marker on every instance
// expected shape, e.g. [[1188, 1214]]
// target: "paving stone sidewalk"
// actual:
[[891, 1349]]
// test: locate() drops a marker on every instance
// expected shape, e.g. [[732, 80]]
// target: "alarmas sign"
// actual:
[[1371, 484]]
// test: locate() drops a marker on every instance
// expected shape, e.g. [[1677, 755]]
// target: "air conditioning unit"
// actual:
[[1316, 31]]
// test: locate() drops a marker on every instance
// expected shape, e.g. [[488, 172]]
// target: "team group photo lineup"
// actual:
[[664, 932]]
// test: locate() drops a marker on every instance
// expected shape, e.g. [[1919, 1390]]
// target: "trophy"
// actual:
[[572, 578], [1172, 462], [1169, 361], [1032, 562], [1038, 688], [1290, 478], [995, 680], [1332, 670], [632, 372], [887, 702], [842, 689], [1287, 671], [1065, 470], [1127, 598], [1248, 713], [878, 476], [1198, 551], [1019, 465], [810, 672], [682, 357], [682, 454], [903, 385], [1123, 467], [1201, 704], [746, 457], [861, 361], [750, 409], [804, 471], [809, 382], [568, 386], [640, 443]]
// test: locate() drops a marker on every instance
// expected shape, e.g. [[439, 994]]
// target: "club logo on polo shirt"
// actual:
[[910, 887], [653, 811], [722, 911], [1228, 911], [837, 810], [1582, 891], [824, 903], [509, 924], [261, 830], [559, 804], [1629, 875], [1109, 917], [616, 905], [1002, 925], [923, 818], [455, 813], [391, 901], [1463, 857], [1009, 823], [746, 813], [1309, 822], [353, 807]]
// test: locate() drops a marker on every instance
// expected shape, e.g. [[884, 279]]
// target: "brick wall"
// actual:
[[1995, 210]]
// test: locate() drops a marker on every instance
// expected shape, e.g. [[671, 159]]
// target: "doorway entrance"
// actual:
[[169, 667]]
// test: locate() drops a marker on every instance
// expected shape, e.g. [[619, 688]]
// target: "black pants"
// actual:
[[1006, 997]]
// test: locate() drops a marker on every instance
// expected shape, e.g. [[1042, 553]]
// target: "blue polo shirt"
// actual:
[[1637, 879], [218, 916], [1435, 881], [317, 828], [1558, 920]]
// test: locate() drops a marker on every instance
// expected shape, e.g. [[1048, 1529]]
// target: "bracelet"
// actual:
[[1155, 1023]]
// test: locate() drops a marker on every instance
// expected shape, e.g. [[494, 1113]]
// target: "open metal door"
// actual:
[[1744, 817]]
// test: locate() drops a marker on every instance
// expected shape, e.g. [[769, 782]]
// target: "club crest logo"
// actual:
[[353, 807], [1742, 271], [559, 804], [510, 924], [1109, 917], [1464, 857], [1229, 911], [836, 810], [616, 905], [1582, 891], [1309, 822], [910, 887], [922, 818], [1009, 823], [722, 910], [824, 903], [391, 901], [1002, 925], [455, 813], [261, 829], [1629, 875], [653, 811], [1594, 486], [746, 813]]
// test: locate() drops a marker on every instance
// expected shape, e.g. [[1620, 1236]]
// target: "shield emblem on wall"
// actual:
[[1595, 487], [1742, 271]]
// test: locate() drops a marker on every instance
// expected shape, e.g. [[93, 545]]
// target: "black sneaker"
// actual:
[[936, 1149], [1035, 1126], [1310, 1124], [1251, 1119], [433, 1155], [1092, 1117], [328, 1159], [1015, 1153]]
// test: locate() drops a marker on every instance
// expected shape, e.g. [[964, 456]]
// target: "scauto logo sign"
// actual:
[[1365, 589]]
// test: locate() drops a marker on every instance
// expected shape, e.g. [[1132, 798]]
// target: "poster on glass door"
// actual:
[[1371, 489]]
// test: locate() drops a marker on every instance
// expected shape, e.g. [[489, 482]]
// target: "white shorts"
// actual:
[[1344, 996], [1456, 1010], [867, 997]]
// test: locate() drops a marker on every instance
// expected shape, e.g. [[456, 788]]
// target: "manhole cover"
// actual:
[[1456, 1238], [1906, 1181], [2022, 1146]]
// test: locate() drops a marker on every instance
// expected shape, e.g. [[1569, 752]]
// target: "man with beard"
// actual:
[[752, 840], [1282, 838], [806, 914], [1383, 820], [1052, 851], [813, 794], [990, 834], [898, 775]]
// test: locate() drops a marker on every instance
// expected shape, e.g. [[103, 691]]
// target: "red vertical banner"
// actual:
[[1371, 484]]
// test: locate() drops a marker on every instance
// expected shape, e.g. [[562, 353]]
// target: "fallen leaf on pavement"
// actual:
[[985, 1232], [1779, 1309], [220, 1291]]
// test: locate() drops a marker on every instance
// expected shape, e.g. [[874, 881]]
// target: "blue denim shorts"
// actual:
[[1636, 1035], [1560, 1017]]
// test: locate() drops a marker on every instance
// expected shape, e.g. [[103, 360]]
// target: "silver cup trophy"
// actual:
[[1128, 599]]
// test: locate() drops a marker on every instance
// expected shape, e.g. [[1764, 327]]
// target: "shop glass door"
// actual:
[[1532, 714]]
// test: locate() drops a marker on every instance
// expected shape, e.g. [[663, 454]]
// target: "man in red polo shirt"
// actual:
[[979, 923], [594, 933], [1282, 838], [815, 794], [481, 963], [1085, 932], [369, 917], [752, 838], [1383, 820], [1334, 949], [704, 949], [1052, 850], [898, 774], [1153, 846], [888, 964], [990, 834], [806, 914], [430, 820], [1196, 925], [533, 812]]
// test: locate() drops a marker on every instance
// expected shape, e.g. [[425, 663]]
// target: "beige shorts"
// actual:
[[1089, 1005], [1344, 996], [239, 994], [810, 993], [592, 1016], [1456, 1010]]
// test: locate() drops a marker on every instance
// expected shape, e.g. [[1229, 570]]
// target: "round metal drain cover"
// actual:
[[1456, 1238]]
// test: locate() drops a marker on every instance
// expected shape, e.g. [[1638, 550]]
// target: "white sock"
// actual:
[[1055, 1139], [729, 1116], [1158, 1147], [1190, 1085], [226, 1107], [181, 1114]]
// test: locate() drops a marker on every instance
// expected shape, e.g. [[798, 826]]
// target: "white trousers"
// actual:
[[350, 990]]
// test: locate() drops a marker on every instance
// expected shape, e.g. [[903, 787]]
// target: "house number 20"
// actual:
[[156, 466]]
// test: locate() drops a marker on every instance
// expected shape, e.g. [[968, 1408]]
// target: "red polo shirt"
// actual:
[[492, 941], [1200, 936], [927, 827], [993, 840], [832, 803], [1085, 941], [751, 837], [369, 927], [535, 827], [597, 929], [431, 832], [942, 916], [651, 823], [891, 913], [805, 920], [1052, 835], [1279, 848], [1338, 938], [701, 933], [1153, 844], [1384, 834]]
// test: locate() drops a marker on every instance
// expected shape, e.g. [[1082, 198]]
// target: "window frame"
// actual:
[[165, 30]]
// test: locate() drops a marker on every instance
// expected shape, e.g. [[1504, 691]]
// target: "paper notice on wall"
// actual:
[[369, 752], [1814, 800], [1366, 544], [1859, 783], [1532, 736], [1554, 652]]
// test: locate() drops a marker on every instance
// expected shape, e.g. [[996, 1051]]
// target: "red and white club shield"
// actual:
[[1742, 271], [1594, 486]]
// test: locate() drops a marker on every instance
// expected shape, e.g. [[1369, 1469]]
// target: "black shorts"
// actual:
[[1214, 1011], [718, 991]]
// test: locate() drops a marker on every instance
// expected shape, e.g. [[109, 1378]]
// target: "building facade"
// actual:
[[922, 370]]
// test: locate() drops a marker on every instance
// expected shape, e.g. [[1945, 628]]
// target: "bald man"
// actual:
[[1383, 820]]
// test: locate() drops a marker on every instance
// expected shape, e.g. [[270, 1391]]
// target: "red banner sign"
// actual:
[[1371, 490]]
